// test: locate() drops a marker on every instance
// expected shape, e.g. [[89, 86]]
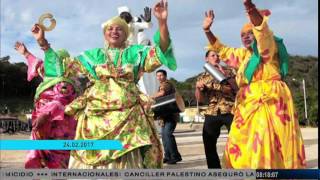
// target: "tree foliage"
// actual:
[[17, 93]]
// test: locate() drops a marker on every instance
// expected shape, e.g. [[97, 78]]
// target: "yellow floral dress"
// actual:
[[265, 131], [112, 107]]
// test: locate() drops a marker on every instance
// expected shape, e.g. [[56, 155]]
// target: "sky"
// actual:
[[79, 26]]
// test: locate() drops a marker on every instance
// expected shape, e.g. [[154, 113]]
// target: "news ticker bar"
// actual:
[[194, 174], [60, 144]]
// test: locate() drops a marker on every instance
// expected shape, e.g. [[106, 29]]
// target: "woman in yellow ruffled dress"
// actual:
[[265, 132]]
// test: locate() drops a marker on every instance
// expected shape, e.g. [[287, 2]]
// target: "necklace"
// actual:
[[110, 58], [116, 70]]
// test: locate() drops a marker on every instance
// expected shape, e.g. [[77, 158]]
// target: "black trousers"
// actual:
[[210, 135]]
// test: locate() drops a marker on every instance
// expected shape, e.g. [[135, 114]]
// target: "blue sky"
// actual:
[[78, 26]]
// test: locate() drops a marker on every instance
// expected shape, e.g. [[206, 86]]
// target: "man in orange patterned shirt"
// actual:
[[221, 100]]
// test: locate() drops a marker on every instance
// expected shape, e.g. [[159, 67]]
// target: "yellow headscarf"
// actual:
[[246, 28], [117, 21]]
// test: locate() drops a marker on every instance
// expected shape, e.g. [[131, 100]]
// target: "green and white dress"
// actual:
[[112, 107]]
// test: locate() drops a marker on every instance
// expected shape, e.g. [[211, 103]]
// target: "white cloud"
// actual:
[[26, 16]]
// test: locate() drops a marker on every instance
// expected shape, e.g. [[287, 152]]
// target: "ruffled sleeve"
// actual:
[[231, 56], [67, 67], [34, 64], [266, 43], [166, 58]]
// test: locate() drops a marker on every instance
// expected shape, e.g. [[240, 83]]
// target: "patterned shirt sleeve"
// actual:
[[209, 82]]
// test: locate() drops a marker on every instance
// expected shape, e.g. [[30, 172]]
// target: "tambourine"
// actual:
[[52, 20]]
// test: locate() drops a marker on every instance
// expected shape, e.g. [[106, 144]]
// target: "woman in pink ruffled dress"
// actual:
[[48, 119]]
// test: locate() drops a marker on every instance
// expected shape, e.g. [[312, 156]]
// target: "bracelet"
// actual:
[[45, 48], [26, 54], [43, 43], [206, 30]]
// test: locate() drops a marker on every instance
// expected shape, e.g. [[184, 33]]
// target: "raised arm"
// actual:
[[160, 11], [147, 14], [207, 22], [57, 63], [266, 42], [253, 13], [231, 56], [34, 64], [39, 35], [21, 49]]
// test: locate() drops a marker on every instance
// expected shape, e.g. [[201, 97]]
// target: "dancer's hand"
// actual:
[[21, 48], [200, 85], [147, 14], [208, 20], [37, 32], [160, 10]]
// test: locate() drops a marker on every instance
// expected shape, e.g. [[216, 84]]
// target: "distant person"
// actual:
[[265, 132], [6, 110], [169, 121], [221, 100], [136, 27], [48, 118], [141, 35]]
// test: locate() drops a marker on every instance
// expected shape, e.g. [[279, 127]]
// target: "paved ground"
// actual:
[[190, 145]]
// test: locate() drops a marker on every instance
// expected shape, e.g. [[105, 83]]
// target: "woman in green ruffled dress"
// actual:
[[112, 108]]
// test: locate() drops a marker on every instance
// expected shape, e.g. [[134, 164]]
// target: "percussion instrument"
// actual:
[[169, 104], [214, 72], [220, 77], [52, 20]]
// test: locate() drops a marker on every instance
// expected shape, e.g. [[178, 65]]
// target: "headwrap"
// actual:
[[246, 28], [117, 21], [53, 70]]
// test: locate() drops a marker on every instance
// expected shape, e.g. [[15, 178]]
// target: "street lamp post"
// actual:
[[305, 99]]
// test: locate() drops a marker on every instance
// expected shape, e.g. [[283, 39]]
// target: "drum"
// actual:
[[169, 104]]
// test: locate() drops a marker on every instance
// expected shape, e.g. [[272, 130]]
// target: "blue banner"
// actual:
[[287, 174], [60, 145]]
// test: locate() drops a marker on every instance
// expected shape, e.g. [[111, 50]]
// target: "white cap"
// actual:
[[123, 9]]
